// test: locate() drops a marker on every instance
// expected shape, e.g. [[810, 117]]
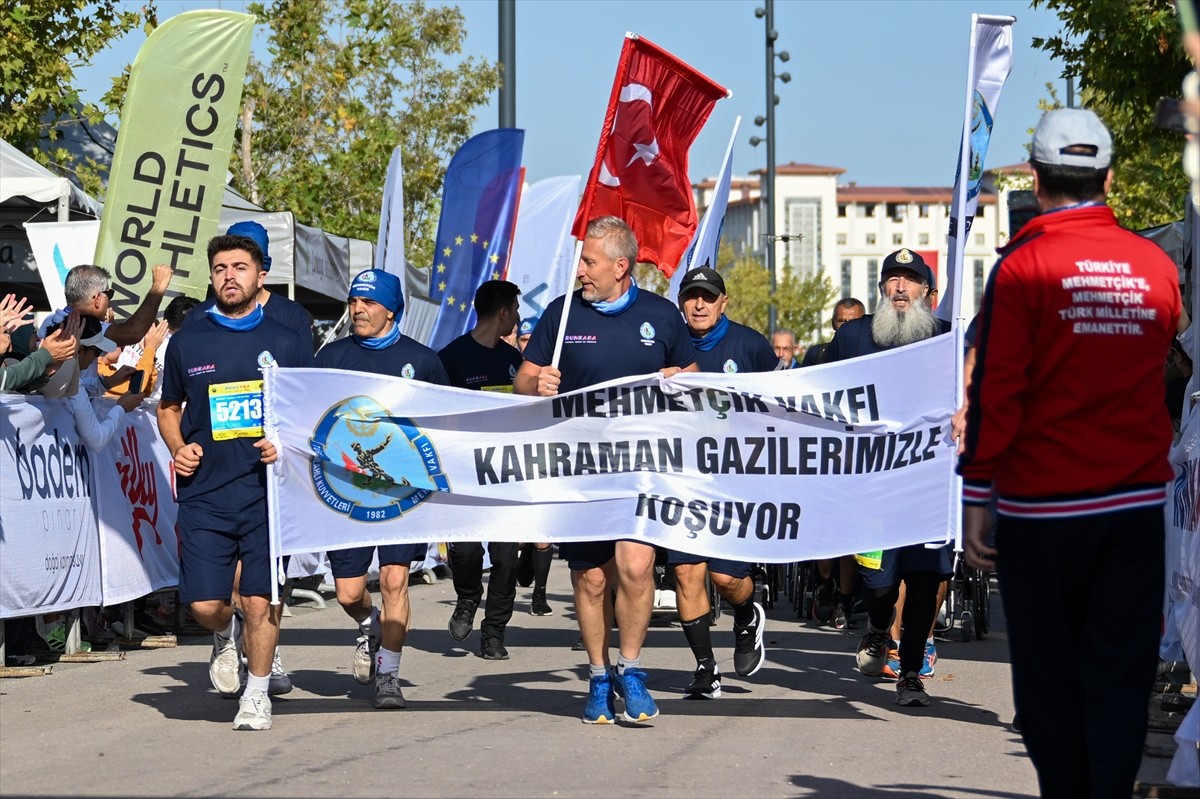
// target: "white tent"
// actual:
[[22, 177]]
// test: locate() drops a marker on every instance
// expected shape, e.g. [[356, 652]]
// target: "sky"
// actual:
[[877, 87]]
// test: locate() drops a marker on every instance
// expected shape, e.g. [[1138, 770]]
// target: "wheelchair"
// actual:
[[968, 606]]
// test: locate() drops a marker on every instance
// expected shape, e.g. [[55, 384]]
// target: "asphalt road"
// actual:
[[806, 725]]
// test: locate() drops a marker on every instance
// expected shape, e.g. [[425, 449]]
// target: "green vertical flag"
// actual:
[[176, 134]]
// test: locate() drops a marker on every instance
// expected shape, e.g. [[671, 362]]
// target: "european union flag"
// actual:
[[479, 214]]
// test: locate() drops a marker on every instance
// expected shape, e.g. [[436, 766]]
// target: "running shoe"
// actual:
[[225, 663], [387, 692], [749, 652], [463, 619], [822, 608], [910, 691], [539, 606], [631, 686], [843, 614], [928, 666], [281, 683], [891, 668], [254, 712], [600, 708], [492, 648], [706, 683], [362, 665], [872, 653]]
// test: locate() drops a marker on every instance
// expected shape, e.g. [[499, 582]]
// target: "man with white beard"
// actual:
[[904, 318]]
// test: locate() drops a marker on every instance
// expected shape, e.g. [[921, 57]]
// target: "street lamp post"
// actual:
[[768, 191]]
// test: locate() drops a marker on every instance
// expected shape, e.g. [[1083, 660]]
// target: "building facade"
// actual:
[[845, 230]]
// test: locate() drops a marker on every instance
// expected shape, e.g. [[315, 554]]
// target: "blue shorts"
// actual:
[[356, 562], [583, 555], [212, 539], [734, 568], [915, 558]]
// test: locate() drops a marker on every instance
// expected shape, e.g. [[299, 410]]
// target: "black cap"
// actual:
[[907, 259], [703, 277]]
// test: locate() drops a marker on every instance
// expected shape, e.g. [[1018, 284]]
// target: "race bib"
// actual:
[[870, 560], [236, 410]]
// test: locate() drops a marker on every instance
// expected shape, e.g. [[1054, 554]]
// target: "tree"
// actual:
[[346, 82], [42, 43], [1126, 54]]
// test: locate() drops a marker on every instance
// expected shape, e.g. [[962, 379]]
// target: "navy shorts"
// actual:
[[583, 555], [734, 568], [356, 562], [211, 541], [916, 558]]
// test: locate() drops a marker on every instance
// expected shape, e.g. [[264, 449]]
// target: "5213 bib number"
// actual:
[[236, 409]]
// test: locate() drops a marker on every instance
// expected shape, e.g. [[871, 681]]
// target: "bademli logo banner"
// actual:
[[772, 467]]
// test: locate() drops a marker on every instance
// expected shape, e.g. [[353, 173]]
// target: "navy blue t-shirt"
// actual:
[[854, 338], [206, 368], [280, 308], [743, 349], [405, 358], [647, 336], [469, 364]]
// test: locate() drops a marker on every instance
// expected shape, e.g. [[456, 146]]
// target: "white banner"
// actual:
[[139, 548], [49, 548], [775, 467], [389, 249], [57, 247], [988, 64], [542, 245]]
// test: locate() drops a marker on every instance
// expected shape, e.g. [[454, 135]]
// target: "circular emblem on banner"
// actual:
[[904, 257], [265, 359], [647, 330], [370, 465], [367, 277], [408, 371], [730, 366]]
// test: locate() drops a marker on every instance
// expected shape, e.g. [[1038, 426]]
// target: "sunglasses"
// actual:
[[108, 293]]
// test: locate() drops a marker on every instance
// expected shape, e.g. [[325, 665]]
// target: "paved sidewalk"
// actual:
[[806, 725]]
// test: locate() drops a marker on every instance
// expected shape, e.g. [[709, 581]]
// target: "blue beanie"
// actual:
[[527, 326], [379, 286], [256, 233]]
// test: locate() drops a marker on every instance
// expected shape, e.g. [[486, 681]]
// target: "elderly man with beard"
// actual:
[[903, 318], [210, 417]]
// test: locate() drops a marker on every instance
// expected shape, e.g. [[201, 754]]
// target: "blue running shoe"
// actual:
[[600, 708], [927, 665], [631, 686]]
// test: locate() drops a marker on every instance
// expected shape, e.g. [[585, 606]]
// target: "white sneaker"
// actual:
[[362, 665], [225, 663], [281, 683], [254, 712]]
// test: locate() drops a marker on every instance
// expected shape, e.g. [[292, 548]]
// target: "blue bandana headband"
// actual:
[[247, 322], [713, 337], [614, 307], [380, 342]]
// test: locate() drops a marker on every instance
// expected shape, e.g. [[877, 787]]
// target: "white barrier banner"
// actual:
[[139, 548], [49, 549], [775, 467]]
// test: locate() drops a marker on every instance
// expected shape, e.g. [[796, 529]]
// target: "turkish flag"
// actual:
[[656, 110]]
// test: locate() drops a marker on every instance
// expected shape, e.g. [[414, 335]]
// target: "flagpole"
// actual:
[[562, 322]]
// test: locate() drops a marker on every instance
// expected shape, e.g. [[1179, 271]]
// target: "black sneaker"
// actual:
[[463, 619], [492, 648], [525, 566], [749, 653], [706, 683], [539, 606], [822, 608], [910, 691]]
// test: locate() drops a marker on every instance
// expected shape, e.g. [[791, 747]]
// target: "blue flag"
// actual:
[[479, 213]]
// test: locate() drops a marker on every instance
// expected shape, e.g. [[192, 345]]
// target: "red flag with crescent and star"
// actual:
[[657, 108]]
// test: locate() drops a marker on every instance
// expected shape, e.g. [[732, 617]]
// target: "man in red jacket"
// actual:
[[1067, 425]]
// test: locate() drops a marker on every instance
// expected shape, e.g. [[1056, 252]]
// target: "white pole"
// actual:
[[562, 322]]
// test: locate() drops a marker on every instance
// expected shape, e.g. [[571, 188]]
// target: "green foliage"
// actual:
[[42, 43], [800, 302], [346, 82], [1126, 54]]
